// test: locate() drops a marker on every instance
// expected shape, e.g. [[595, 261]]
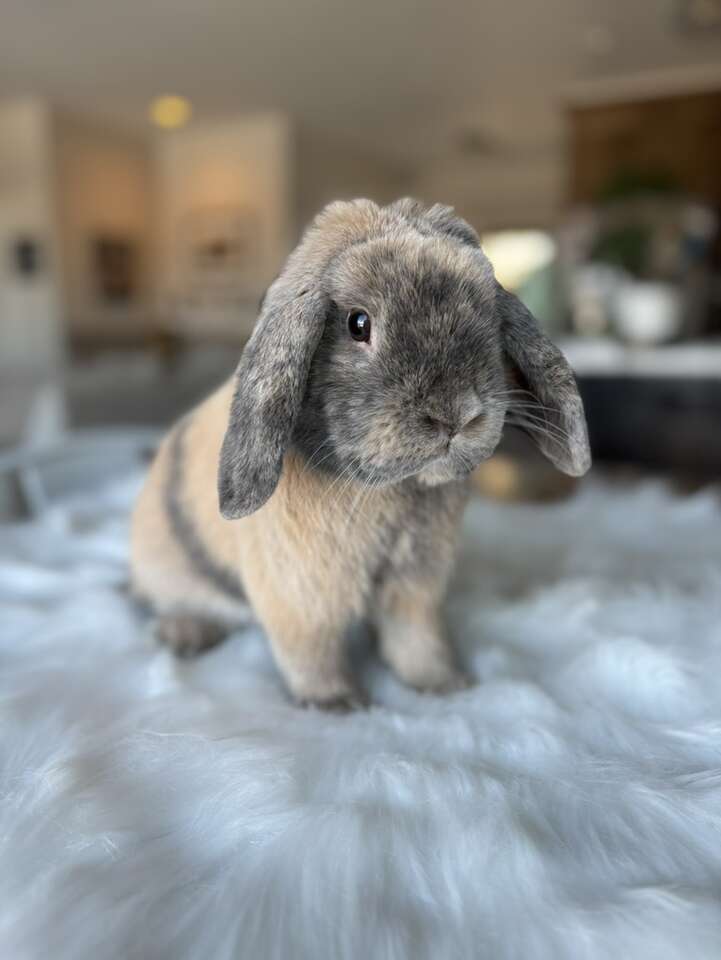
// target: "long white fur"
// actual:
[[569, 806]]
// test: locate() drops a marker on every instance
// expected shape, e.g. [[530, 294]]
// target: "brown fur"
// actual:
[[307, 560]]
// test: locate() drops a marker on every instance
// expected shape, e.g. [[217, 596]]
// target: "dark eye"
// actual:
[[359, 325]]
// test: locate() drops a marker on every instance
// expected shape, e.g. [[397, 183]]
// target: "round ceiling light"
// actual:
[[170, 112]]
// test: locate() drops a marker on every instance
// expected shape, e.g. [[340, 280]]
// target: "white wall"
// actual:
[[31, 341], [329, 168], [241, 165], [498, 192], [29, 324], [104, 189]]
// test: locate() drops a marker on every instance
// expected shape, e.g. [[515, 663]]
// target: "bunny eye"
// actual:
[[359, 325]]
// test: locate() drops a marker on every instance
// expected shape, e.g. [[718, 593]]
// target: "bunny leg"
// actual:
[[413, 640], [312, 663], [309, 652]]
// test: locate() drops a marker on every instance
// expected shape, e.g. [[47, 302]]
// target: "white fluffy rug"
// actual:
[[569, 806]]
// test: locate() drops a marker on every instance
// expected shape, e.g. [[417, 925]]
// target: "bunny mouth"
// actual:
[[455, 463], [453, 466], [432, 460], [461, 456]]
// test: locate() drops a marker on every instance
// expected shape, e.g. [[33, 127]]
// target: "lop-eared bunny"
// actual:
[[326, 481]]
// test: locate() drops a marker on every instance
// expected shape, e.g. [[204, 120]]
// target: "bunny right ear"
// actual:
[[270, 383], [553, 410]]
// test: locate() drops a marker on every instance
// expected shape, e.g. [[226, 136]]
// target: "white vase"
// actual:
[[648, 312]]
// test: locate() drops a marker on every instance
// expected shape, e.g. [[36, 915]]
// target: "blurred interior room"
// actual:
[[149, 192], [431, 734]]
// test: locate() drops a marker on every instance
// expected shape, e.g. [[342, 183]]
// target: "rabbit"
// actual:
[[325, 482]]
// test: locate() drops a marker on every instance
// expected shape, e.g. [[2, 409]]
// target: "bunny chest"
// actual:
[[341, 544]]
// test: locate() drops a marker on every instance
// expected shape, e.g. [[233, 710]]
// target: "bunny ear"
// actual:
[[550, 408], [270, 383]]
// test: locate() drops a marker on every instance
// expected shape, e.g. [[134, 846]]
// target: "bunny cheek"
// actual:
[[458, 463], [391, 447]]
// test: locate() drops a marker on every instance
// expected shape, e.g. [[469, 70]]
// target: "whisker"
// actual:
[[540, 421], [532, 406], [311, 461], [337, 479], [557, 436], [349, 474], [360, 502], [317, 463], [538, 418]]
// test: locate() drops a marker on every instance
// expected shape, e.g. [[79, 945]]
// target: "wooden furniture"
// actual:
[[677, 137]]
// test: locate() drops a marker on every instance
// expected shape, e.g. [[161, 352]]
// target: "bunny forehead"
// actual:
[[358, 243], [406, 266]]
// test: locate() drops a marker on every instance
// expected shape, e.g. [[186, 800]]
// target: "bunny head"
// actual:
[[387, 350]]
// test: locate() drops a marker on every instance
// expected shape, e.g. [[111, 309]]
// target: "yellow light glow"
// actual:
[[170, 112], [516, 254]]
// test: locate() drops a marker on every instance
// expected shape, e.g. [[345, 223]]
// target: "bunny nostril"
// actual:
[[473, 425], [440, 426]]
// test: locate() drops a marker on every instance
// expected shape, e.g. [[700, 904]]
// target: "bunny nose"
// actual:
[[465, 420], [441, 425]]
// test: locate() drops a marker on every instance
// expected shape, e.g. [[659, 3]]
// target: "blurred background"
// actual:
[[158, 160]]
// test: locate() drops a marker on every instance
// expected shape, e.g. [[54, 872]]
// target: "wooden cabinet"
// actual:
[[674, 138]]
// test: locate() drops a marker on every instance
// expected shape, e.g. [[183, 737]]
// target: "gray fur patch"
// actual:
[[270, 383], [184, 529], [438, 219]]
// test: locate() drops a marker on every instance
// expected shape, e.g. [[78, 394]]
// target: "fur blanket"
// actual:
[[568, 806]]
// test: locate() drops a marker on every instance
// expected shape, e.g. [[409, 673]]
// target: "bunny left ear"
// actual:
[[552, 410], [270, 383]]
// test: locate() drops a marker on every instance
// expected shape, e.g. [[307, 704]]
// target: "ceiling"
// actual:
[[405, 78]]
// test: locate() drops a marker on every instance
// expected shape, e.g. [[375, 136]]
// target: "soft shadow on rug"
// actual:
[[568, 806]]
